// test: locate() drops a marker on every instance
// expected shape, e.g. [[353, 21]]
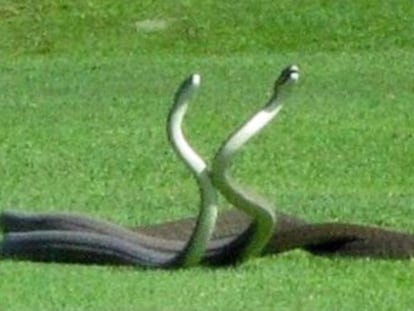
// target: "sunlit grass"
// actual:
[[82, 129]]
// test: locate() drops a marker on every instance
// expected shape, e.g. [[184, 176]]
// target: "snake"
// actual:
[[140, 249], [64, 237]]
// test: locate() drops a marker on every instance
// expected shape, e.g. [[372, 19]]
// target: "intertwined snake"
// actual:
[[76, 238]]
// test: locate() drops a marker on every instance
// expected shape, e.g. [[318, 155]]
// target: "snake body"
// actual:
[[261, 211], [323, 239]]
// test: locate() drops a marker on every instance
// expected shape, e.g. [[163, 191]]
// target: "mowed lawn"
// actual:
[[85, 88]]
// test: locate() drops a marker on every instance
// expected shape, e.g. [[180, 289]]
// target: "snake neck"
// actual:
[[196, 245], [251, 203]]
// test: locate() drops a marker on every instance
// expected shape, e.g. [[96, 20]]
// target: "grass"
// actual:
[[84, 92]]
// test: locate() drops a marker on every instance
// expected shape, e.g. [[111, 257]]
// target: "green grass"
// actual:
[[84, 92]]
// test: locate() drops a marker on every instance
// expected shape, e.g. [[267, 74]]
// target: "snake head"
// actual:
[[288, 75]]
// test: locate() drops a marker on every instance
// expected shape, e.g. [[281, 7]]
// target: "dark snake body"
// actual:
[[88, 241]]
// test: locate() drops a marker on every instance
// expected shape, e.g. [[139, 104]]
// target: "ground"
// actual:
[[85, 87]]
